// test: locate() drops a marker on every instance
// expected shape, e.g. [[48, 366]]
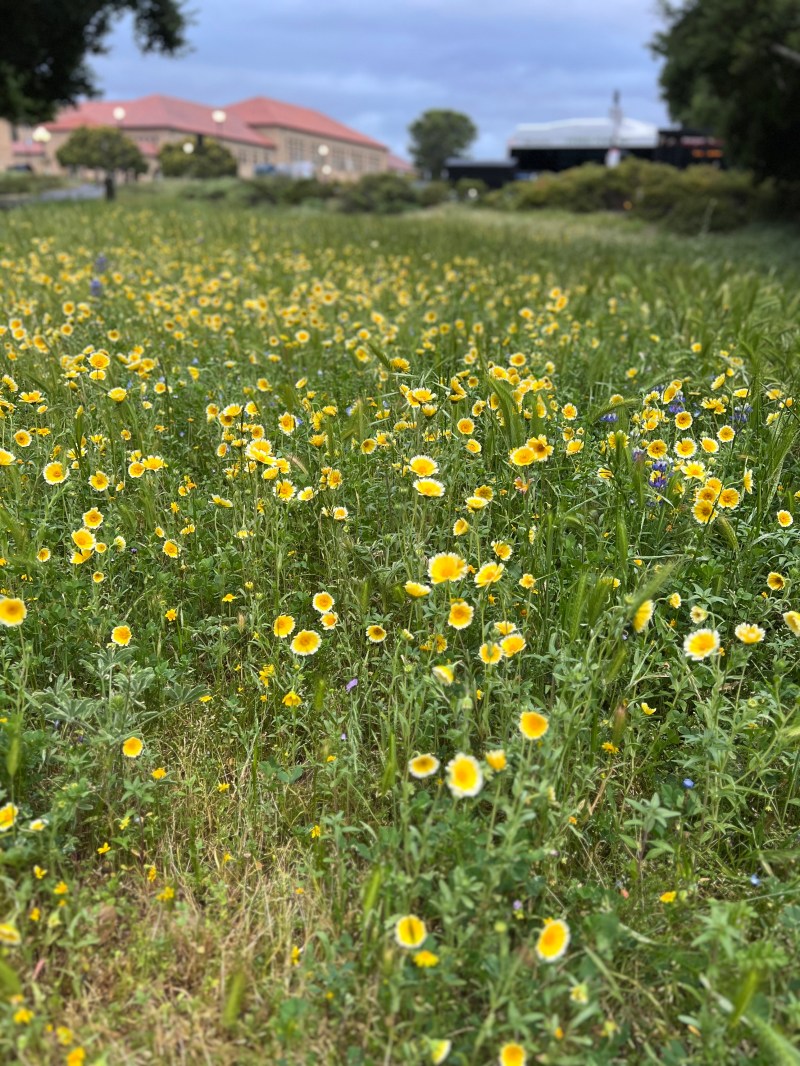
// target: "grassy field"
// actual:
[[399, 635]]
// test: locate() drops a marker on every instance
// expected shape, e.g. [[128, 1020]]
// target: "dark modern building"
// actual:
[[549, 147], [493, 173]]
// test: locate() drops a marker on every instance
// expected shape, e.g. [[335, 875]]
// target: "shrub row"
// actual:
[[19, 183], [699, 199]]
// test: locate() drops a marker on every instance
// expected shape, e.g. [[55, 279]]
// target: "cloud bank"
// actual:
[[377, 68]]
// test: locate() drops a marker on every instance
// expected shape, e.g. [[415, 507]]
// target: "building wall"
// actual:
[[5, 145], [301, 151], [247, 156]]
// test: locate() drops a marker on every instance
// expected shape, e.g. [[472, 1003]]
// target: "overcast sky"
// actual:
[[377, 66]]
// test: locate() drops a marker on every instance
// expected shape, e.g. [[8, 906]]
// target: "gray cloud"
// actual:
[[375, 68]]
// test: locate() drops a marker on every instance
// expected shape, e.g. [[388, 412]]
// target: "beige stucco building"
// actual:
[[260, 133], [308, 142]]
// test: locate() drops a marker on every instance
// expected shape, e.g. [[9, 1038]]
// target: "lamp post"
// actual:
[[324, 152], [42, 135], [119, 116], [188, 149], [218, 117]]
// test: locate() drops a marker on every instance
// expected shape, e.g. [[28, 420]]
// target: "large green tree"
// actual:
[[436, 136], [44, 46], [734, 66], [102, 148]]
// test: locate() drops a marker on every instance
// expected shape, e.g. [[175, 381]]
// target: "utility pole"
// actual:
[[613, 155]]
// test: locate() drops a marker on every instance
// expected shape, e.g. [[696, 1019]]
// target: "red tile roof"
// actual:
[[159, 112], [261, 111], [398, 165]]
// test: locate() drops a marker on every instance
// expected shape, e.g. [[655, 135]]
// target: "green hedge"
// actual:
[[19, 183], [699, 199]]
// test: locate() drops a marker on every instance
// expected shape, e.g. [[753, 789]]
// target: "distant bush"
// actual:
[[18, 183], [471, 190], [383, 194], [433, 193], [281, 189], [700, 198], [211, 189]]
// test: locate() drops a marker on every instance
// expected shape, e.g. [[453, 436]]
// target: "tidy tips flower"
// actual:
[[422, 766], [748, 633], [410, 931], [132, 748], [447, 566], [12, 611], [464, 776], [533, 725], [700, 644], [121, 636], [512, 1055], [553, 940], [306, 642]]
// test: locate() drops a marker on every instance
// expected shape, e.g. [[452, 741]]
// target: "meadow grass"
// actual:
[[399, 640]]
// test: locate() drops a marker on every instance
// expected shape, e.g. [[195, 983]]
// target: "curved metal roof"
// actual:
[[584, 133]]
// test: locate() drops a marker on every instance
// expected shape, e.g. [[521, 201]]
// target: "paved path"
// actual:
[[72, 192]]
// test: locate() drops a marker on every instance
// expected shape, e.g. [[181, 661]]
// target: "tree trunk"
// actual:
[[110, 189]]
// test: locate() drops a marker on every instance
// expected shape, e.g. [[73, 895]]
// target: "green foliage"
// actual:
[[698, 199], [434, 193], [101, 148], [281, 189], [734, 66], [13, 184], [471, 190], [436, 136], [383, 194], [208, 159], [45, 43]]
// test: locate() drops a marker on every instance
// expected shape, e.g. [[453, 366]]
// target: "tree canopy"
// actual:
[[438, 134], [101, 148], [734, 66], [45, 43], [208, 159]]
